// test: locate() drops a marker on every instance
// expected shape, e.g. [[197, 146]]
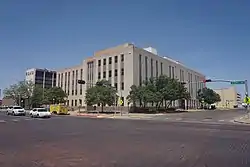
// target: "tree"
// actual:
[[36, 99], [102, 93], [18, 91], [158, 90], [208, 96], [54, 95]]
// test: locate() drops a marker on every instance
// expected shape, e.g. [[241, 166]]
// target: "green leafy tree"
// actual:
[[102, 93], [18, 91], [37, 97], [158, 90], [209, 96], [54, 95]]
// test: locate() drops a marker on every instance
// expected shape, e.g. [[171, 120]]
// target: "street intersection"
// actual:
[[79, 141]]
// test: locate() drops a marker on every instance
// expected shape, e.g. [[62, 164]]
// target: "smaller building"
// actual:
[[229, 98], [43, 77]]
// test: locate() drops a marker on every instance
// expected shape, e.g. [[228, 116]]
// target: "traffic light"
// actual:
[[81, 82], [207, 80]]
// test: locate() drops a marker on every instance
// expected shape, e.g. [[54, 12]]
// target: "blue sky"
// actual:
[[208, 35]]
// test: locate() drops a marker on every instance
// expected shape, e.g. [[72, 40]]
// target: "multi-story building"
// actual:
[[43, 77], [127, 65], [229, 98], [67, 79]]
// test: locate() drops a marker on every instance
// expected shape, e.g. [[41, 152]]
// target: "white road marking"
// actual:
[[221, 120], [15, 120], [2, 121]]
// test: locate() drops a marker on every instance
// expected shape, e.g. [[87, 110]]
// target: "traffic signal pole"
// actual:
[[246, 96]]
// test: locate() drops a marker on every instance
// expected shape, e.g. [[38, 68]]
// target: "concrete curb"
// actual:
[[241, 120]]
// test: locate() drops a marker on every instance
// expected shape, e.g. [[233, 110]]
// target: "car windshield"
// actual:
[[42, 110], [17, 107], [10, 107]]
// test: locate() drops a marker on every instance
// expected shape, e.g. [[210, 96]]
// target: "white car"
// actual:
[[40, 113], [15, 110]]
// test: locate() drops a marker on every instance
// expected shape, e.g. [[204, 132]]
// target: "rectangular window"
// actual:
[[72, 102], [62, 80], [122, 86], [156, 66], [152, 69], [59, 80], [116, 72], [122, 57], [81, 73], [173, 72], [75, 102], [104, 62], [161, 69], [139, 65], [73, 82], [169, 71], [110, 60], [146, 67], [115, 85], [110, 73], [99, 63], [99, 75], [116, 59], [76, 82], [122, 71], [65, 82], [80, 102], [104, 74]]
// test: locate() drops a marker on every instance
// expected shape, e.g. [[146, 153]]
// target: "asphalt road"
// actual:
[[210, 116], [84, 142]]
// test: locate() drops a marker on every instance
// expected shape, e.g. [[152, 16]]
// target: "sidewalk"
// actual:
[[243, 119], [114, 116]]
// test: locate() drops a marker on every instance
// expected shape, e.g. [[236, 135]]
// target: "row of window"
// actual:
[[151, 68], [110, 60], [171, 73], [110, 73], [64, 82]]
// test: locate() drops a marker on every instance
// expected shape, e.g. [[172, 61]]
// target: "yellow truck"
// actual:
[[59, 109]]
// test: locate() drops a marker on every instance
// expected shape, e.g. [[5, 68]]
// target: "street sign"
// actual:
[[120, 102], [247, 100], [237, 82]]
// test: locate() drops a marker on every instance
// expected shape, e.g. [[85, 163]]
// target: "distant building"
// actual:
[[43, 77], [8, 101], [229, 98]]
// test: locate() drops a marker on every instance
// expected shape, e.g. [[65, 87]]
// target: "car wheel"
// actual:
[[37, 115], [13, 113], [8, 113], [31, 115]]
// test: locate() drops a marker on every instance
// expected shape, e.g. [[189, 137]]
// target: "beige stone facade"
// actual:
[[229, 97], [123, 66]]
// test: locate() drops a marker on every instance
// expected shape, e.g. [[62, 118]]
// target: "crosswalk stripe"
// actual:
[[2, 121]]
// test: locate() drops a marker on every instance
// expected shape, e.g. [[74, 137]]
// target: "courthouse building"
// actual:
[[123, 66]]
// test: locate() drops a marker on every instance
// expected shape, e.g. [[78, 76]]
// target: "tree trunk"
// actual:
[[169, 103], [101, 108]]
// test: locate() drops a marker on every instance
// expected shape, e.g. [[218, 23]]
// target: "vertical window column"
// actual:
[[140, 72]]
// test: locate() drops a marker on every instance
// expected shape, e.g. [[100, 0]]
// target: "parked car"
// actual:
[[3, 108], [15, 110], [40, 113]]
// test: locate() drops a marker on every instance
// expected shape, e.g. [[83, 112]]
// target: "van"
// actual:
[[59, 109]]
